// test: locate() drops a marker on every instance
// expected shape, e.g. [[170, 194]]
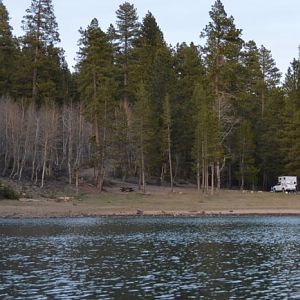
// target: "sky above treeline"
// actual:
[[273, 23]]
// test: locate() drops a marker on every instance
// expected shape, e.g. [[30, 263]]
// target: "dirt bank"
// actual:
[[158, 201]]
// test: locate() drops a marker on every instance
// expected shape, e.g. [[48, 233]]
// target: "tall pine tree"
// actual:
[[41, 35], [97, 87], [206, 149], [270, 75], [222, 54], [8, 53], [142, 131], [189, 71], [126, 33]]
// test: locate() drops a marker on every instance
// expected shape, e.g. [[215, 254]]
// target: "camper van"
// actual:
[[285, 184]]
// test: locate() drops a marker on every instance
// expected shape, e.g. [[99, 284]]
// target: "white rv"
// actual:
[[285, 184]]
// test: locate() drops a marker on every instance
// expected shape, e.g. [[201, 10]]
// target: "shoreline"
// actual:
[[10, 213], [182, 203], [151, 215]]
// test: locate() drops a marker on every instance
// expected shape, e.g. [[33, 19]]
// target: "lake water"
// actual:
[[150, 258]]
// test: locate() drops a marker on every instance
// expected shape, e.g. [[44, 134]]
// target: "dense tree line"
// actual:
[[218, 114]]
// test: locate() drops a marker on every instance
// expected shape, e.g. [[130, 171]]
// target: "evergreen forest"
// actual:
[[218, 114]]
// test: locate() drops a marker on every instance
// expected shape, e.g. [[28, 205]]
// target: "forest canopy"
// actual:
[[218, 114]]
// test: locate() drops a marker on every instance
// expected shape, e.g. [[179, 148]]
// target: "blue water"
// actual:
[[150, 258]]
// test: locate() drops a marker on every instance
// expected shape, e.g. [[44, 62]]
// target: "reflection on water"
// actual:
[[150, 258]]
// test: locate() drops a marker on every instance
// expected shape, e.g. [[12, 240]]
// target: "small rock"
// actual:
[[140, 212]]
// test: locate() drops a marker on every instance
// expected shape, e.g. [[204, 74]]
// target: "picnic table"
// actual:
[[126, 189]]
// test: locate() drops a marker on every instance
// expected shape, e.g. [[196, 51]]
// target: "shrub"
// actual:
[[6, 192]]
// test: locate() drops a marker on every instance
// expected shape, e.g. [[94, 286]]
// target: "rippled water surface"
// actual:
[[150, 258]]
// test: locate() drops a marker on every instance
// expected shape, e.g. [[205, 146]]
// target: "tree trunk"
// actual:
[[79, 146], [70, 143], [170, 158], [103, 152], [242, 168], [126, 104], [218, 171], [97, 141], [263, 100], [44, 159], [143, 170], [77, 180], [35, 146], [265, 180], [7, 152], [97, 134], [203, 167], [35, 70], [229, 176], [212, 178], [25, 150], [198, 175], [206, 167]]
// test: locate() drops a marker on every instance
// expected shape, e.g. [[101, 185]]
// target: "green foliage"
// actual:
[[220, 103], [153, 64], [206, 143], [167, 116], [248, 100], [222, 48], [6, 192], [43, 61], [40, 23], [8, 54], [189, 71], [270, 73], [143, 123], [291, 84], [127, 26], [126, 33], [95, 71], [245, 155]]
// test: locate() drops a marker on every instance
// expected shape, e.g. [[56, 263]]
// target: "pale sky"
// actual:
[[274, 23]]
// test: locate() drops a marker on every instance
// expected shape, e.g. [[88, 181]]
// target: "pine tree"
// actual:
[[206, 148], [147, 44], [154, 65], [267, 89], [189, 71], [245, 153], [248, 99], [142, 131], [8, 54], [41, 35], [291, 84], [167, 130], [270, 139], [270, 75], [127, 31], [290, 142], [96, 87], [222, 51], [112, 38], [222, 54]]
